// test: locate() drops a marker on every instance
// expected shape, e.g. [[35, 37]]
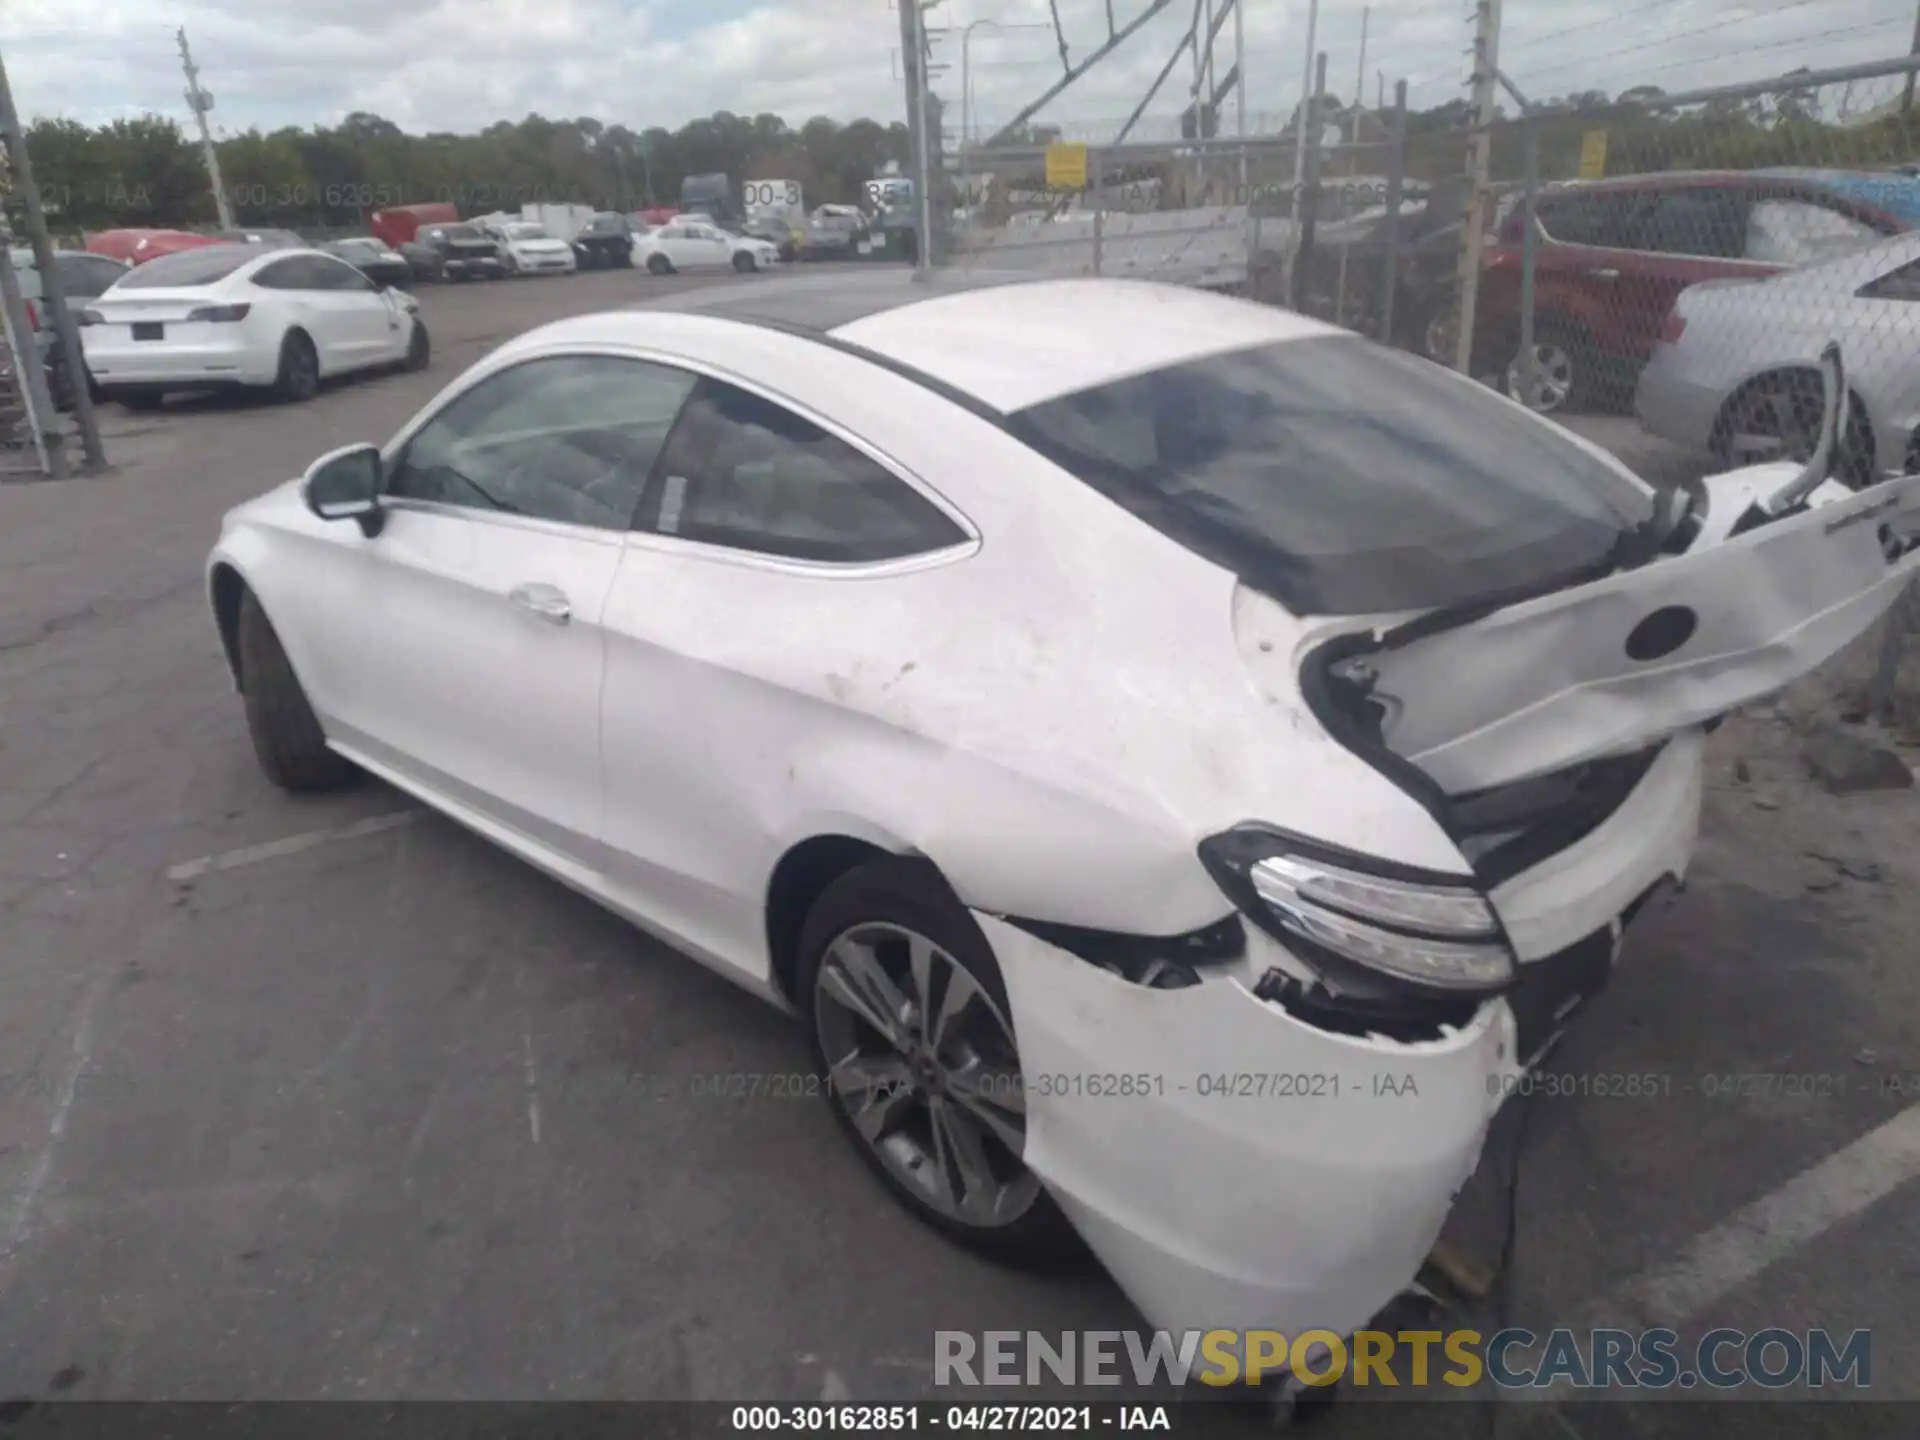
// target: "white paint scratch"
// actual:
[[533, 1086], [291, 845]]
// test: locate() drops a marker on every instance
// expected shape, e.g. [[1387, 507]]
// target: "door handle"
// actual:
[[1604, 274], [545, 602]]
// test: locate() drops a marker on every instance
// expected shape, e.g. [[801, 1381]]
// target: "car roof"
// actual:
[[1006, 339]]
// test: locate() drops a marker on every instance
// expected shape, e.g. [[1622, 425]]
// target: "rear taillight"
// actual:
[[219, 314], [1674, 328], [33, 315]]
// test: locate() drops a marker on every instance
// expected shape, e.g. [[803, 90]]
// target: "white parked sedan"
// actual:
[[535, 250], [235, 315], [1179, 760], [690, 243]]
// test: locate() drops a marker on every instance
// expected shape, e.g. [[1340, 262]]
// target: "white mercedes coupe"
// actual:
[[244, 316], [1180, 761]]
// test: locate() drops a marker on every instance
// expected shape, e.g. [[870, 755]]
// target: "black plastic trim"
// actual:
[[1133, 955]]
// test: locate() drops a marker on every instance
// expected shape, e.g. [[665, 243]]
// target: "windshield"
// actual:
[[459, 232], [201, 266], [527, 232], [1342, 478]]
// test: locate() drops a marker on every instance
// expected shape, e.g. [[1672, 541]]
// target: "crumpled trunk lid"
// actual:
[[1615, 665]]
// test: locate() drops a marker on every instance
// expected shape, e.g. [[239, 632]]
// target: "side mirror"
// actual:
[[345, 485]]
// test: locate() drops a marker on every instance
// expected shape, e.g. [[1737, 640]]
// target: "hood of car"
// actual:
[[547, 246]]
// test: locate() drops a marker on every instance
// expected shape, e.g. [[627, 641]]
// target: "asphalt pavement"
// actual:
[[307, 1099]]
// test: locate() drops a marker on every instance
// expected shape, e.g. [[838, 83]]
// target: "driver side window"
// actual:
[[571, 439]]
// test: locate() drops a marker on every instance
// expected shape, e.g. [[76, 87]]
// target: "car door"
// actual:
[[372, 328], [762, 534], [307, 296], [463, 653]]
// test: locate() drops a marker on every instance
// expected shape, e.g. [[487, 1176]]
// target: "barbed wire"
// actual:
[[1672, 36], [1603, 84]]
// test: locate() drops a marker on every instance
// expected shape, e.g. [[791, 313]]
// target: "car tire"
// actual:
[[875, 916], [419, 348], [745, 263], [1567, 379], [298, 378], [659, 265], [1788, 407], [287, 738], [143, 400]]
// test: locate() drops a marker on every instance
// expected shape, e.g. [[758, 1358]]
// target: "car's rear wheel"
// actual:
[[659, 265], [140, 399], [1565, 371], [287, 738], [908, 1017], [744, 262], [298, 378], [419, 346], [1778, 417]]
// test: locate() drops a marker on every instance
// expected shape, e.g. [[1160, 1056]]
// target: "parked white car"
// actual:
[[534, 250], [1180, 761], [229, 316], [693, 244]]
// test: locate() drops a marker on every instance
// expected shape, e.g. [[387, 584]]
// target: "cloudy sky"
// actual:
[[461, 64]]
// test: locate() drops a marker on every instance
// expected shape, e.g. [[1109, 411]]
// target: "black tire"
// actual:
[[419, 347], [287, 739], [658, 264], [912, 895], [298, 379], [744, 263], [1789, 407], [142, 400]]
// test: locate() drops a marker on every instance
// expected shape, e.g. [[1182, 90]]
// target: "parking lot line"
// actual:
[[291, 845], [1717, 1262]]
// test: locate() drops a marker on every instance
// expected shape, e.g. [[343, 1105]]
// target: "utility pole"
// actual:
[[1240, 90], [1359, 93], [1307, 113], [913, 60], [1906, 96], [1486, 81], [58, 316], [200, 102]]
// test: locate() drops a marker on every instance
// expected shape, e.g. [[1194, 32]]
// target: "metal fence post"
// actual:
[[1308, 200], [1099, 207], [1528, 244], [26, 359], [1396, 182]]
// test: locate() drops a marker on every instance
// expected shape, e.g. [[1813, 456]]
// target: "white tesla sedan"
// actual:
[[1179, 760], [231, 316], [692, 243]]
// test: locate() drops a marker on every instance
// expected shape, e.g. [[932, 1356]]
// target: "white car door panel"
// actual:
[[477, 657], [1605, 666]]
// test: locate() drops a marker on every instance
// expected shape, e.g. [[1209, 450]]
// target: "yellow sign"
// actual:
[[1593, 155], [1066, 167]]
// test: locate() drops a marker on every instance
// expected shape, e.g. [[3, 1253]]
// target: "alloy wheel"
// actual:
[[1551, 384], [923, 1065]]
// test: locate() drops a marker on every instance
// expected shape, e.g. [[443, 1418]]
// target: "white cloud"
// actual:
[[462, 64]]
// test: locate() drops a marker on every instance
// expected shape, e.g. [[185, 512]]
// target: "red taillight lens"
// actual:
[[219, 314], [1675, 327], [33, 315]]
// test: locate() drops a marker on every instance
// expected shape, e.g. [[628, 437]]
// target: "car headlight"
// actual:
[[1429, 932]]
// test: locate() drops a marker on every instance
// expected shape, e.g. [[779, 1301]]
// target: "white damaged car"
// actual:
[[1179, 760]]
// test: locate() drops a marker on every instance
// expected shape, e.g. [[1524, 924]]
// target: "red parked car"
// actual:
[[1613, 255], [137, 246]]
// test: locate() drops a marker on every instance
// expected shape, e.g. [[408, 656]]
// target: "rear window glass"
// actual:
[[188, 267], [1343, 478]]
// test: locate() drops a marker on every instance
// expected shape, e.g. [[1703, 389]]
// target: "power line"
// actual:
[[1757, 49], [1521, 44], [1682, 35]]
